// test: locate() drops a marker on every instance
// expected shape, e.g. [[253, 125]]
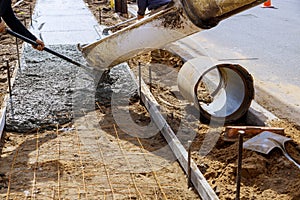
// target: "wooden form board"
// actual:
[[197, 178]]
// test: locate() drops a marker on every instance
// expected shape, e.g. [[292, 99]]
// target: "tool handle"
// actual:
[[232, 131], [290, 158], [105, 30], [64, 57], [45, 48]]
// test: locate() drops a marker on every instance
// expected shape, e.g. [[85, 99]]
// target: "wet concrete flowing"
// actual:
[[48, 90]]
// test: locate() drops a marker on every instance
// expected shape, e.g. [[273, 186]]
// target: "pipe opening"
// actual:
[[223, 92]]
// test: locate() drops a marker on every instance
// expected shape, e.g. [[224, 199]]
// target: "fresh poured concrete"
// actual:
[[47, 87]]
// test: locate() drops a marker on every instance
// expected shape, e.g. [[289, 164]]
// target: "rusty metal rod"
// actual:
[[150, 78], [100, 16], [30, 11], [9, 88], [140, 83], [8, 78], [18, 53], [233, 131], [239, 167], [189, 164]]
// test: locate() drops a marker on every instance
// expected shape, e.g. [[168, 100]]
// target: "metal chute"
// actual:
[[161, 27]]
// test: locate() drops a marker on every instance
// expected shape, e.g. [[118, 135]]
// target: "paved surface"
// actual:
[[64, 22], [266, 41]]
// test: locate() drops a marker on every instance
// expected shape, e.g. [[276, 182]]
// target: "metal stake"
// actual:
[[100, 17], [18, 54], [25, 22], [8, 78], [140, 82], [150, 78], [189, 164], [239, 167], [30, 10], [9, 88]]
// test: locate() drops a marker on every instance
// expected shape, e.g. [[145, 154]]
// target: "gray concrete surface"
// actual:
[[47, 88], [43, 92], [64, 22], [50, 91]]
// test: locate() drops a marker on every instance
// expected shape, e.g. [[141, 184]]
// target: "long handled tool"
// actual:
[[105, 30], [88, 69]]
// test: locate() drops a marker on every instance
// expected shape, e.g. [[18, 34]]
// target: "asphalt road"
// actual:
[[267, 43]]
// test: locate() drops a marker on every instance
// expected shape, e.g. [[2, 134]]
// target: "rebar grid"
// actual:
[[105, 169], [128, 164], [142, 152], [58, 169], [35, 167], [10, 174], [58, 166], [82, 169], [152, 170]]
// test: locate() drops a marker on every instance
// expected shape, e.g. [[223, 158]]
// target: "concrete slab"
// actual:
[[68, 37], [64, 22]]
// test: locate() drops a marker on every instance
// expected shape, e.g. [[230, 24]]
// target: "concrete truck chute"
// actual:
[[163, 26], [171, 23]]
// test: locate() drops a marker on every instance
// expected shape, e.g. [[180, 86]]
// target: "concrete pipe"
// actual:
[[221, 92]]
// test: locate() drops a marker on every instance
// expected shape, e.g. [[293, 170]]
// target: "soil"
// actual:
[[8, 46], [109, 160]]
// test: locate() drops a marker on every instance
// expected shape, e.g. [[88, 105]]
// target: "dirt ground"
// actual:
[[34, 165], [8, 47]]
